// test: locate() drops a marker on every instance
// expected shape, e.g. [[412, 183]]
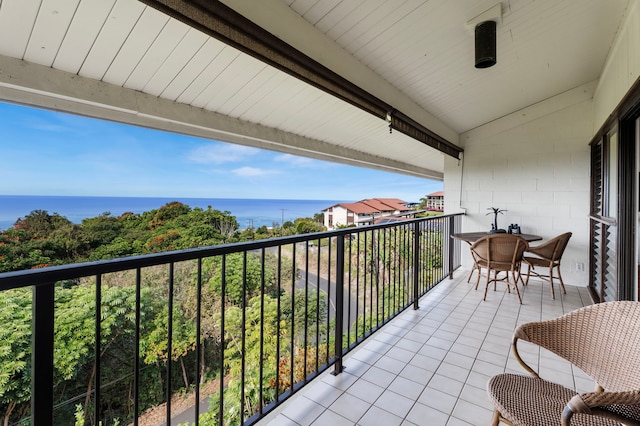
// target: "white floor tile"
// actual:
[[350, 407], [379, 417], [432, 365]]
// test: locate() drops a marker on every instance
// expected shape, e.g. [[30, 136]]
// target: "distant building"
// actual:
[[365, 212], [434, 201]]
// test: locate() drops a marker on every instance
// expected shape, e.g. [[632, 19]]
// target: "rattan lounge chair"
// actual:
[[604, 341], [548, 255], [499, 253]]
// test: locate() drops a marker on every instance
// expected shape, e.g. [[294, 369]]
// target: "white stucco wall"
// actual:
[[339, 216], [535, 164]]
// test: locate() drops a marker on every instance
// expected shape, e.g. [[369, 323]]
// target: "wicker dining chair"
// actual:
[[548, 255], [602, 340], [499, 253]]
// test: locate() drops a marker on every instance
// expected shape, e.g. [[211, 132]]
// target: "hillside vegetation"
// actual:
[[248, 283], [43, 239]]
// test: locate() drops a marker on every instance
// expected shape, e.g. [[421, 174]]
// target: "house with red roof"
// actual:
[[365, 212], [434, 201]]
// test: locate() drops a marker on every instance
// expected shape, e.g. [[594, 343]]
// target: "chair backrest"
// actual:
[[554, 248], [499, 251], [602, 339]]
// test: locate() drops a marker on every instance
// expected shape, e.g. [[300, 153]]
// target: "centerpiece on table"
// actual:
[[494, 225]]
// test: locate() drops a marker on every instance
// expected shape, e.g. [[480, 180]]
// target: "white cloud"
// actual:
[[221, 153], [48, 127], [253, 172], [296, 161]]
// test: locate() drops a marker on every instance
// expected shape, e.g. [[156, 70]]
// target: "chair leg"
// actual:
[[471, 273], [564, 290], [495, 420], [529, 268], [520, 276], [486, 287], [553, 290], [479, 275], [515, 284]]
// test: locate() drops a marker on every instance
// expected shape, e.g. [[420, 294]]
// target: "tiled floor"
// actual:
[[431, 366]]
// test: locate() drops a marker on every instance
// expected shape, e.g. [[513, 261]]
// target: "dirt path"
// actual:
[[180, 403]]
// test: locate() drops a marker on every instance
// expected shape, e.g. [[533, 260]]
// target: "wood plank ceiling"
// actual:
[[125, 61]]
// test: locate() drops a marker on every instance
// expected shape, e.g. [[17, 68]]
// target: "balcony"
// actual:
[[251, 323], [531, 155], [430, 366]]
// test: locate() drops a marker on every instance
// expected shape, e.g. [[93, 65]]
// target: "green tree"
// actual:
[[16, 256], [164, 242], [37, 240], [261, 328], [102, 230], [39, 223], [167, 212], [15, 353], [74, 342], [307, 225], [243, 276], [262, 233], [257, 334], [118, 247], [204, 227], [41, 239], [154, 345]]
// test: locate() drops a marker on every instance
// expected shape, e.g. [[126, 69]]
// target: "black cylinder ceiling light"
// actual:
[[483, 28], [485, 44]]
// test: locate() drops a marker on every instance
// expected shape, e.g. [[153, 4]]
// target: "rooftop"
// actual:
[[374, 205], [436, 194]]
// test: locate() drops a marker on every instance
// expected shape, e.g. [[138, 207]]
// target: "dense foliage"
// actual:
[[259, 320], [41, 239]]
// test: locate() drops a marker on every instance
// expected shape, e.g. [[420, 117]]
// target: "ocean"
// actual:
[[248, 212]]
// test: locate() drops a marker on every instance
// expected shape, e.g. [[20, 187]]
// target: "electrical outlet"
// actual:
[[579, 266]]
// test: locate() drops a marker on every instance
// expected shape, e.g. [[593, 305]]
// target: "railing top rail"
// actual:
[[48, 275]]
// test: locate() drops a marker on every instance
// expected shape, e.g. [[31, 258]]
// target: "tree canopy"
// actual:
[[41, 239]]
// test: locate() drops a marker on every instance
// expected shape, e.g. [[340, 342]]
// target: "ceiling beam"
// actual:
[[223, 23]]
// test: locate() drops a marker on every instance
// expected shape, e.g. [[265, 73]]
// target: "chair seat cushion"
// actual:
[[536, 261], [527, 401]]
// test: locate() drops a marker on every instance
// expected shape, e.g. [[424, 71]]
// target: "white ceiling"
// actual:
[[122, 60], [425, 50]]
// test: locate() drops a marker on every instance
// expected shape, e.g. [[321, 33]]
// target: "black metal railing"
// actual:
[[227, 332]]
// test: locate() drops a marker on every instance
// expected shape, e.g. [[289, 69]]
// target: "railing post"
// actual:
[[416, 263], [98, 350], [451, 245], [339, 303], [42, 326]]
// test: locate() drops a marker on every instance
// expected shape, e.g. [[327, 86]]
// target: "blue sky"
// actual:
[[50, 153]]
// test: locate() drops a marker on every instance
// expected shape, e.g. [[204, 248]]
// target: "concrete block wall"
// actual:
[[535, 164]]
